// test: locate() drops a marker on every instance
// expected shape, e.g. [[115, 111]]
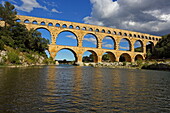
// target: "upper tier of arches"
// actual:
[[86, 27]]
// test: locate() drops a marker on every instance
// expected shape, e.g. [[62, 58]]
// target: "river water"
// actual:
[[69, 89]]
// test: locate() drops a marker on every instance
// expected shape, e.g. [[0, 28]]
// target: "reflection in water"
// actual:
[[50, 89]]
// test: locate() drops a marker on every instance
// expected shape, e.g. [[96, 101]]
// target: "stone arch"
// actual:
[[103, 31], [77, 27], [94, 54], [18, 20], [75, 37], [90, 29], [109, 32], [120, 33], [125, 57], [112, 57], [149, 46], [94, 42], [84, 28], [106, 44], [42, 23], [57, 25], [71, 27], [50, 40], [138, 57], [64, 26], [50, 24], [138, 46], [34, 22], [97, 30], [125, 34], [26, 21], [125, 44], [114, 32], [74, 53]]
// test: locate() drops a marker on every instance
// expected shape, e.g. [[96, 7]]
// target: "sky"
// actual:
[[146, 16]]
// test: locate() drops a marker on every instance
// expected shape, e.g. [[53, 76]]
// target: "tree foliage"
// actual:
[[162, 48], [16, 35]]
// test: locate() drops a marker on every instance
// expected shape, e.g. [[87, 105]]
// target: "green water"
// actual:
[[69, 89]]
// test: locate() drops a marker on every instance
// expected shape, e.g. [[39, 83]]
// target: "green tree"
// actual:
[[8, 13]]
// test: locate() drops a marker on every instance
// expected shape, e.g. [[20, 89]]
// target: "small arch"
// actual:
[[57, 25], [149, 38], [18, 20], [71, 27], [103, 31], [146, 37], [114, 32], [130, 35], [125, 34], [153, 38], [108, 57], [26, 21], [50, 24], [84, 28], [90, 29], [143, 37], [64, 26], [138, 36], [120, 33], [42, 23], [138, 57], [134, 35], [90, 56], [97, 30], [34, 22], [125, 57], [109, 32], [77, 27]]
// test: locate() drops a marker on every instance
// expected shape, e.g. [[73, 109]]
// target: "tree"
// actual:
[[8, 13]]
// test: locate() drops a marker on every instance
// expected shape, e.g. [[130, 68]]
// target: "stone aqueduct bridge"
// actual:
[[55, 27]]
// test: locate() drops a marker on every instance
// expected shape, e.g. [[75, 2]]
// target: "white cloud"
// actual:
[[120, 47], [151, 16], [108, 45], [71, 36], [92, 40], [55, 11], [29, 5]]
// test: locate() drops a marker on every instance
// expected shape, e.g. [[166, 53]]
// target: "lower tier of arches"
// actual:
[[97, 55]]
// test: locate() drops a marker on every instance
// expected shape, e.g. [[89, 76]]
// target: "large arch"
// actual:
[[108, 42], [138, 46], [138, 57], [67, 38], [90, 40], [91, 57], [125, 44], [65, 55], [45, 33], [108, 57], [125, 57]]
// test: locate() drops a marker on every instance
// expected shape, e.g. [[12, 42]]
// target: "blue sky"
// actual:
[[147, 16]]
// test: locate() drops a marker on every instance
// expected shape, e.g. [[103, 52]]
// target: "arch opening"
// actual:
[[67, 38], [89, 56], [108, 43], [138, 57], [108, 57], [42, 23], [50, 24], [26, 21], [34, 22], [125, 58], [66, 56], [125, 45], [45, 33], [149, 49], [90, 40], [138, 46]]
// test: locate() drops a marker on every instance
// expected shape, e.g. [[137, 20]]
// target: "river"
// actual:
[[74, 89]]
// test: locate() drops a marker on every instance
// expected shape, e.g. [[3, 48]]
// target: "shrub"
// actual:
[[13, 58]]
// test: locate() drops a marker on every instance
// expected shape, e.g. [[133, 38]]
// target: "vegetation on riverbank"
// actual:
[[18, 45]]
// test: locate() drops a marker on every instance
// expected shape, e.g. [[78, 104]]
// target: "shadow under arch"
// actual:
[[110, 58], [106, 44], [64, 57], [138, 57], [67, 38], [138, 46], [90, 40], [92, 58], [125, 44], [125, 57]]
